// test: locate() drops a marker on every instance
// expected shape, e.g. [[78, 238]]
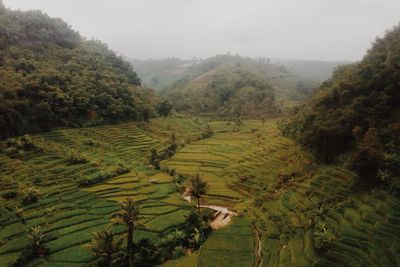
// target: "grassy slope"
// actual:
[[68, 214], [270, 181], [281, 187]]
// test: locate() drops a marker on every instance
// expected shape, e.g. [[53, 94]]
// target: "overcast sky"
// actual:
[[297, 29]]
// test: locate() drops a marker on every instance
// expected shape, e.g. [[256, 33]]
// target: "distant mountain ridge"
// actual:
[[161, 73]]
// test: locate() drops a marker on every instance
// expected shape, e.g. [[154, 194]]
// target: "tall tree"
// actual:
[[128, 215], [104, 246], [197, 188]]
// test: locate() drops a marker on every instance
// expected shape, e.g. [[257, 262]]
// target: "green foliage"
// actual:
[[368, 158], [35, 247], [76, 158], [29, 195], [129, 216], [52, 77], [197, 187], [355, 112], [101, 176], [18, 147], [156, 157], [164, 108], [222, 91], [147, 254], [207, 130], [36, 239], [103, 245]]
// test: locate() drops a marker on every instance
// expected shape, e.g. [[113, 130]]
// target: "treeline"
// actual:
[[51, 76], [356, 115]]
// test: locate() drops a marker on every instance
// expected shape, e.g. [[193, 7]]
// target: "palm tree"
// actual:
[[128, 215], [104, 245], [36, 237], [197, 188]]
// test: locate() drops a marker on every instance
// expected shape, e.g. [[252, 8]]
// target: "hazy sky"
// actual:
[[299, 29]]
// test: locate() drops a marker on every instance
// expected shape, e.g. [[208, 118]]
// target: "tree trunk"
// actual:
[[107, 262], [130, 244], [198, 206]]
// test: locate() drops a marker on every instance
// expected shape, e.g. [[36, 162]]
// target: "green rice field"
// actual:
[[292, 211]]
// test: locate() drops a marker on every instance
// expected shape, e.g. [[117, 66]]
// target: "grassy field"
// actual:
[[307, 214]]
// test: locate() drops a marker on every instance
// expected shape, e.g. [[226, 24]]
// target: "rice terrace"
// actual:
[[117, 159]]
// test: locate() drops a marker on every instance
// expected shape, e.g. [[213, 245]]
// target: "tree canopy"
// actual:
[[51, 76], [356, 110]]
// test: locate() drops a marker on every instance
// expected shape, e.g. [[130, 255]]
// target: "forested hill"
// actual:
[[357, 114], [51, 76], [224, 83]]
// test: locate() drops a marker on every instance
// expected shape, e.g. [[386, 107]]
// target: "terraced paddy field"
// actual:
[[292, 211], [306, 214], [67, 213]]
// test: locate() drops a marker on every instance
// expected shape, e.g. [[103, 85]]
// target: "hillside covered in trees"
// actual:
[[227, 84], [51, 76], [159, 74], [355, 116]]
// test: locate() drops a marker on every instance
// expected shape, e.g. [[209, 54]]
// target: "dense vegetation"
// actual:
[[356, 114], [288, 76], [225, 91], [167, 74], [193, 190], [51, 76]]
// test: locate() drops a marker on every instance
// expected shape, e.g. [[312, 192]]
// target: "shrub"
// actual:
[[207, 131], [76, 158], [102, 176], [90, 142], [30, 195], [147, 254], [17, 147], [10, 194], [178, 252], [34, 249]]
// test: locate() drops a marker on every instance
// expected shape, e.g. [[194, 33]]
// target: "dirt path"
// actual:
[[257, 262], [222, 216]]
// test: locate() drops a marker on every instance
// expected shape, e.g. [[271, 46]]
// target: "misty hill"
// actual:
[[51, 76], [225, 91], [158, 74], [316, 71], [357, 113], [224, 83], [162, 73]]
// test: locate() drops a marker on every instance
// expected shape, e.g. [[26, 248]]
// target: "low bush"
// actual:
[[17, 147], [76, 158], [30, 194], [101, 176], [10, 194], [90, 142]]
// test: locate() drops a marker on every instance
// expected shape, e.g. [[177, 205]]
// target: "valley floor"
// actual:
[[291, 210]]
